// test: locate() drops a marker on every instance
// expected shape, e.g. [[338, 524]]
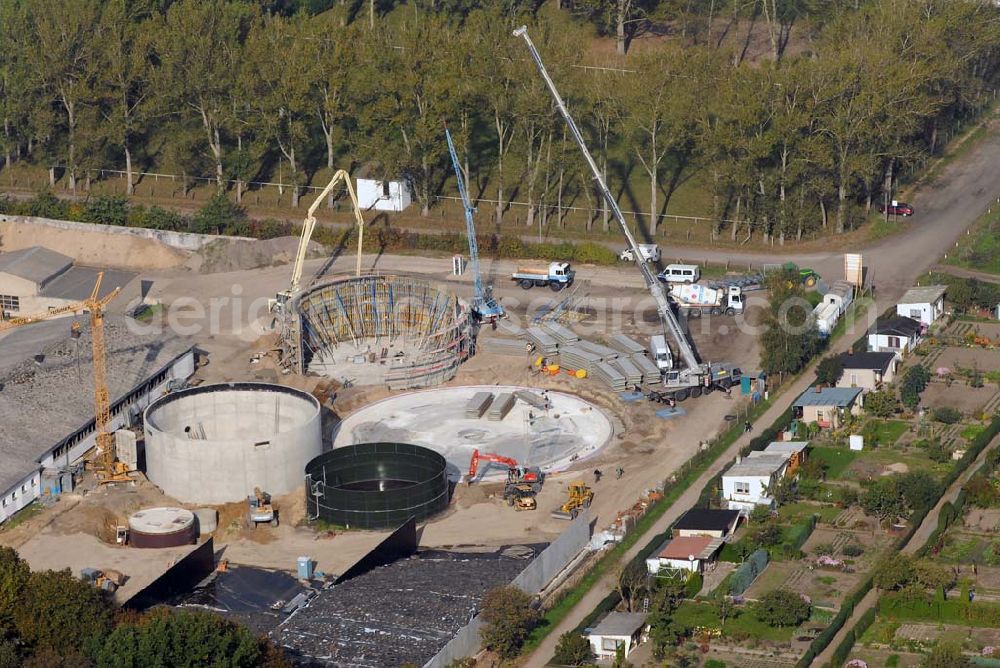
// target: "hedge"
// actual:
[[748, 571], [954, 611], [799, 533]]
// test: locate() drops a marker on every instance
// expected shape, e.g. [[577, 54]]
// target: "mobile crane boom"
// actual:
[[482, 304], [670, 325]]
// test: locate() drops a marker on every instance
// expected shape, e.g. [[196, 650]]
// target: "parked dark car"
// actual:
[[897, 209]]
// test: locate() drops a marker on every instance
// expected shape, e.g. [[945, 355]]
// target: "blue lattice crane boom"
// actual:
[[483, 303]]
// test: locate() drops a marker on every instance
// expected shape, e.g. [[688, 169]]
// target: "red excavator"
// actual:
[[516, 474]]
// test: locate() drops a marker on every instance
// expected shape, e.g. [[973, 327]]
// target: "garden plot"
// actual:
[[969, 400], [982, 519], [963, 548], [968, 358], [825, 588]]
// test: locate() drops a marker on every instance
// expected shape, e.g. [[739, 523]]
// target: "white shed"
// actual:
[[617, 629], [383, 195], [923, 304]]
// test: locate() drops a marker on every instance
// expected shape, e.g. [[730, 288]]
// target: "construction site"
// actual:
[[177, 446]]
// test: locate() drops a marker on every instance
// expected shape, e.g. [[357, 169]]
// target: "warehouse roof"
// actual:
[[923, 295], [876, 361], [707, 519], [41, 404], [840, 397], [76, 283], [619, 624], [35, 264]]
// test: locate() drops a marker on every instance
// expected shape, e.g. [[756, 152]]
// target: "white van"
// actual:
[[649, 253], [660, 352], [680, 273]]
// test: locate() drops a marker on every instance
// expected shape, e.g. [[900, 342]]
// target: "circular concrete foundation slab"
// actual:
[[552, 439]]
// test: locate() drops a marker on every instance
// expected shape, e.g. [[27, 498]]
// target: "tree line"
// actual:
[[51, 618], [794, 144]]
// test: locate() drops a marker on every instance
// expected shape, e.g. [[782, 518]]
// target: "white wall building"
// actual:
[[383, 195], [922, 304], [750, 481], [36, 279], [895, 335], [617, 629], [26, 450]]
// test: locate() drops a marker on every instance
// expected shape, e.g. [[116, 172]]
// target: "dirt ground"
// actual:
[[969, 358], [92, 248], [969, 400]]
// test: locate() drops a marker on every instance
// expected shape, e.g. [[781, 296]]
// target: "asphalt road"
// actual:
[[945, 208]]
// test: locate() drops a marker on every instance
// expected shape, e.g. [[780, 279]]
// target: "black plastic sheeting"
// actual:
[[376, 485], [398, 614], [252, 596], [400, 544]]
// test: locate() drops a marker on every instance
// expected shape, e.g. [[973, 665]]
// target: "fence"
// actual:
[[542, 569], [146, 184]]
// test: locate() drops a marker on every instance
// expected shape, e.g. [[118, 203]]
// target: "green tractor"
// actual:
[[807, 277]]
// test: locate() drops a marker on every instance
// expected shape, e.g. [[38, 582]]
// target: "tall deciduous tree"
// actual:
[[277, 89], [199, 47], [62, 56], [123, 75], [658, 114]]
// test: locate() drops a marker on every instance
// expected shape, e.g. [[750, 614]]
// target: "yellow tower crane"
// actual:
[[109, 469]]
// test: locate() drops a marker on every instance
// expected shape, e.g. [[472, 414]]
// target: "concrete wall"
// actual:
[[255, 435], [532, 579], [180, 240]]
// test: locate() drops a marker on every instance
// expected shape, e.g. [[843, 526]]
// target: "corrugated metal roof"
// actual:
[[923, 295], [35, 264], [828, 396]]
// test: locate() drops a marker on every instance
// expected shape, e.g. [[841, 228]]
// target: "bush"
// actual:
[[183, 638], [62, 613], [573, 650], [157, 218], [220, 215], [947, 415], [509, 619], [693, 585], [829, 370], [106, 210], [881, 403], [47, 205], [853, 550], [780, 607]]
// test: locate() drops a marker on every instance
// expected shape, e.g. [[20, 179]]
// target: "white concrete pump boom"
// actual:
[[670, 325], [309, 224]]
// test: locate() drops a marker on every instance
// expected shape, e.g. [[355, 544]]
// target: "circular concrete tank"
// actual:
[[162, 527], [376, 485], [216, 443]]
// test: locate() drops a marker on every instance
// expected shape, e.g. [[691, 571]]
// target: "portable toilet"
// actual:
[[305, 568], [745, 384]]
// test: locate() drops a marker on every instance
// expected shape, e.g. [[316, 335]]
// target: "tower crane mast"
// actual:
[[694, 375], [483, 304], [109, 469]]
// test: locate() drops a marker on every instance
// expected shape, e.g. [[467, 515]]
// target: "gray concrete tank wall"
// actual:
[[215, 443]]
